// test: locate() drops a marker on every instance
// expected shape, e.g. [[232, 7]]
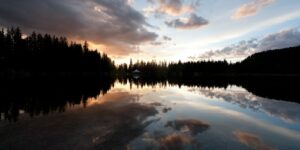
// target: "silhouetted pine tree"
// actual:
[[45, 53]]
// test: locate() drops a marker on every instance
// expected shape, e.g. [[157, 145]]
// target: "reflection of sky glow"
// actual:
[[235, 106]]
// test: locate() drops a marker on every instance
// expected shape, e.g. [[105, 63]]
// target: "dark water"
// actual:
[[149, 115]]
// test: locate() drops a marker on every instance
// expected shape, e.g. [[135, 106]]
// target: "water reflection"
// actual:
[[182, 136], [272, 88], [193, 126], [111, 124], [37, 97], [286, 111], [251, 140], [146, 114], [176, 142]]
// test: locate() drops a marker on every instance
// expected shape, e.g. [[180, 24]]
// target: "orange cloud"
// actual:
[[175, 11], [174, 7], [251, 9]]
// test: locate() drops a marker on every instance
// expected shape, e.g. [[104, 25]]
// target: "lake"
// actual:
[[143, 116]]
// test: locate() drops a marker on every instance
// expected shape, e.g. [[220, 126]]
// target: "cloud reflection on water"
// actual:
[[251, 140], [191, 125], [107, 125], [183, 135], [286, 111]]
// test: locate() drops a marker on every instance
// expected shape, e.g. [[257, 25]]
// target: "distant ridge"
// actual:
[[279, 61]]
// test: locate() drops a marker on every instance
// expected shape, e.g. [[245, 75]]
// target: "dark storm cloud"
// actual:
[[112, 23], [193, 22], [282, 39]]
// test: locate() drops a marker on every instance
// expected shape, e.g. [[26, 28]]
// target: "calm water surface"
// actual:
[[155, 117]]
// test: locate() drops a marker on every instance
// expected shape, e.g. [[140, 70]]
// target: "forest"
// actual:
[[45, 54], [280, 62]]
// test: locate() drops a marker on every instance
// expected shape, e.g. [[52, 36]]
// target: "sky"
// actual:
[[163, 30]]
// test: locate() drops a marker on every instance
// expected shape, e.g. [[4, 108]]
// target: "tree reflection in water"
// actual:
[[37, 97], [120, 119]]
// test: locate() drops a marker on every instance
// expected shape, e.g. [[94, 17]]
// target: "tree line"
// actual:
[[273, 62], [279, 61], [46, 53]]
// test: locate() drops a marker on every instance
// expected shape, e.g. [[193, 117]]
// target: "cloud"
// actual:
[[239, 50], [172, 7], [114, 24], [130, 2], [251, 9], [251, 140], [282, 39], [162, 41], [193, 22], [156, 43], [166, 38]]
